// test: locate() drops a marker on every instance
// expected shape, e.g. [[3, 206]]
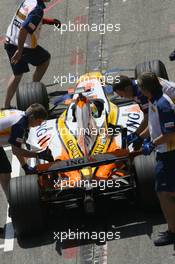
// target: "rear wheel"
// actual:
[[25, 205], [145, 167], [155, 66], [30, 93]]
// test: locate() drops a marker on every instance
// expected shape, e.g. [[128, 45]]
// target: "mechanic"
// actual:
[[21, 44], [130, 89], [14, 125], [161, 129]]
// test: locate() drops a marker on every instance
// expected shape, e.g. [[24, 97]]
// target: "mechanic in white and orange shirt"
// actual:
[[22, 44], [14, 125]]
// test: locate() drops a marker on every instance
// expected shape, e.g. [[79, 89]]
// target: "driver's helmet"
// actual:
[[96, 106]]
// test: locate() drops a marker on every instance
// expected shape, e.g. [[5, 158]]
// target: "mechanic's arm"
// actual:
[[21, 153], [21, 39], [145, 133], [143, 125], [51, 21], [166, 138], [136, 138], [24, 153], [21, 159]]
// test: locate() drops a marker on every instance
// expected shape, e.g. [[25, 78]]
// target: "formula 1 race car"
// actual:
[[90, 155]]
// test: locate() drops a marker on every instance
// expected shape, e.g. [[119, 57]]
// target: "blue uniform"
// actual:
[[161, 121], [168, 88], [13, 128]]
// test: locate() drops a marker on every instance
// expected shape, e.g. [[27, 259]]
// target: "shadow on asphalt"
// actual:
[[110, 217]]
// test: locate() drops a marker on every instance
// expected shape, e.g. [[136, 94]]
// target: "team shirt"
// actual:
[[13, 127], [168, 88], [161, 120], [29, 15]]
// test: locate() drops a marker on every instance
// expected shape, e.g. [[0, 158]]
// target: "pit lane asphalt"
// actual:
[[147, 32]]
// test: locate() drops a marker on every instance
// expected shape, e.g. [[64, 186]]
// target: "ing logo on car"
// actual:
[[43, 142]]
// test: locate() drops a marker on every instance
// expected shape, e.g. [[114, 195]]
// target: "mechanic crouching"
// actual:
[[14, 125], [161, 129]]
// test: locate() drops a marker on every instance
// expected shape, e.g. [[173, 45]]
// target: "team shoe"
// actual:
[[172, 56], [165, 238]]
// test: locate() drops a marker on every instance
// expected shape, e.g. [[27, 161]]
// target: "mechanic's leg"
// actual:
[[167, 202], [40, 71], [4, 181], [11, 89]]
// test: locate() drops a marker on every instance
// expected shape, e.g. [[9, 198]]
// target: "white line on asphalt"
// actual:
[[93, 253], [104, 254], [132, 224], [77, 58], [1, 246], [9, 234], [9, 231], [101, 254]]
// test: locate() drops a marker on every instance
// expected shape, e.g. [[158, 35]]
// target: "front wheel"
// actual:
[[30, 93], [155, 66]]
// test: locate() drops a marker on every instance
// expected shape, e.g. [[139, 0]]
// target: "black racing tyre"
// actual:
[[25, 206], [145, 174], [30, 93], [155, 66], [120, 101]]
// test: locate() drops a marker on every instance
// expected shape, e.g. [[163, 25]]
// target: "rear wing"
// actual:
[[82, 162]]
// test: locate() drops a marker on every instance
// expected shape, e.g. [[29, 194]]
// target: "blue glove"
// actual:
[[29, 170], [134, 139], [147, 147], [46, 155]]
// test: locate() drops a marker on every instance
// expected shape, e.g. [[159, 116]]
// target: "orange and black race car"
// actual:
[[90, 155]]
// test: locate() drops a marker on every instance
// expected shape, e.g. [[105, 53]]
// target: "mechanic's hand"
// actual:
[[147, 147], [29, 170], [16, 57], [57, 23], [46, 155], [134, 139]]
